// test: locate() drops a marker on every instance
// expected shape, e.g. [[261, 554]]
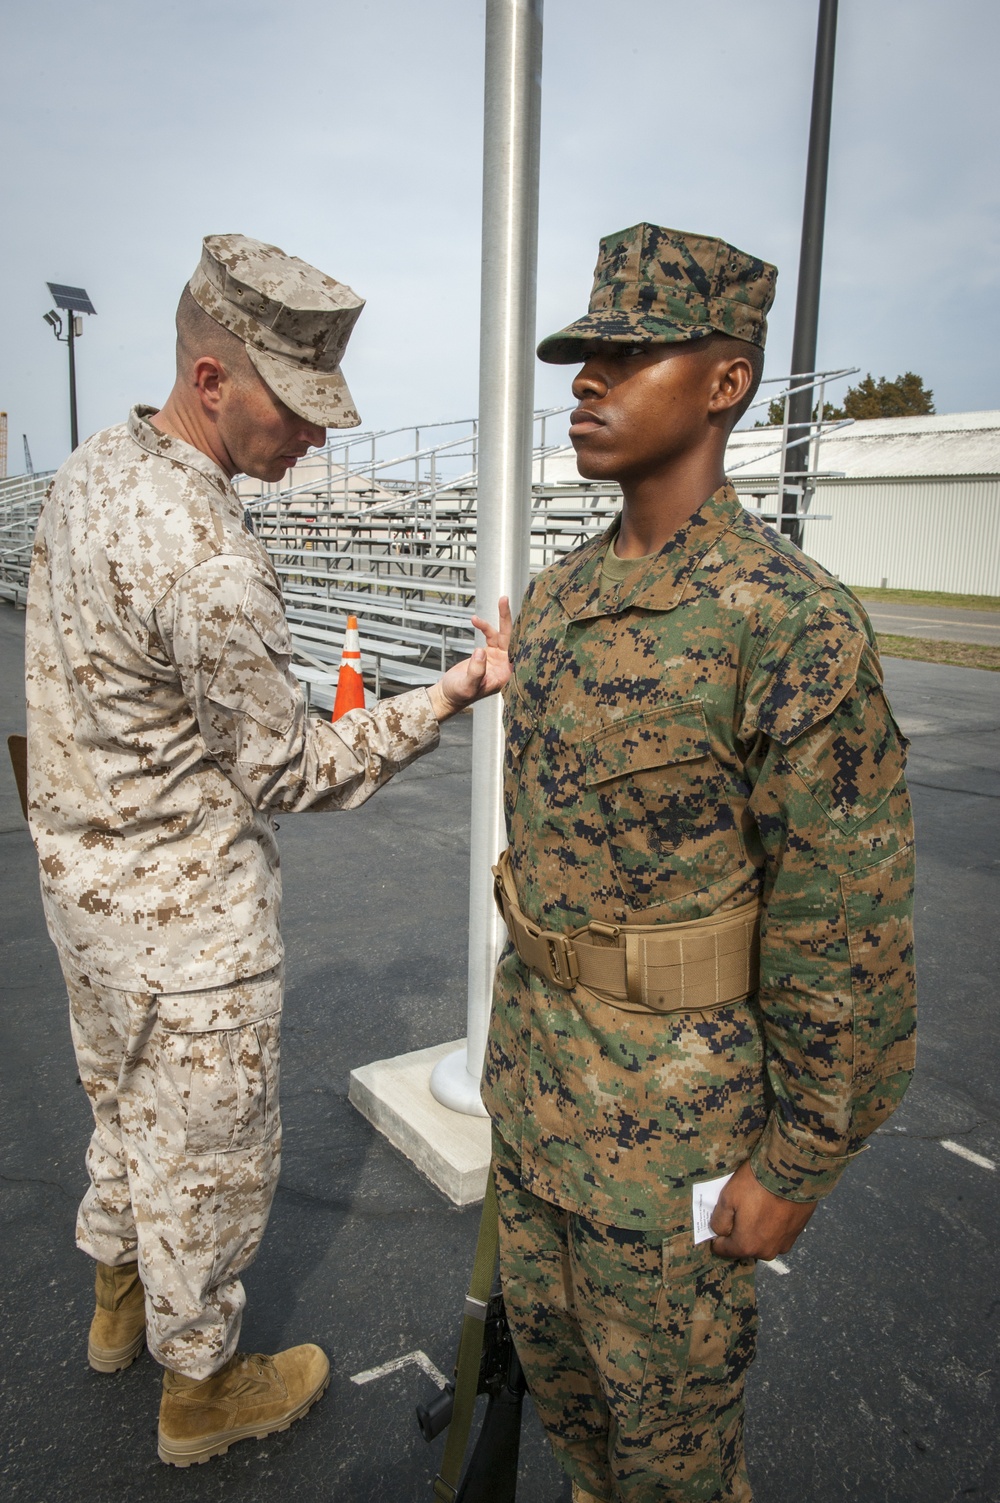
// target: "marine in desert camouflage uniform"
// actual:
[[696, 728], [165, 729]]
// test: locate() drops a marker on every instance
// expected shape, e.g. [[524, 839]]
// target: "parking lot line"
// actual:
[[418, 1359], [967, 1154]]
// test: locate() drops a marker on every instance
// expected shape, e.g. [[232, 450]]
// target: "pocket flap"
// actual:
[[518, 726], [657, 738], [217, 1009]]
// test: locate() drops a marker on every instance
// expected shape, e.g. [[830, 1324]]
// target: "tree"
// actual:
[[906, 396], [776, 413]]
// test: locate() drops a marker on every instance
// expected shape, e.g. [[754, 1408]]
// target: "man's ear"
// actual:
[[732, 382], [207, 376]]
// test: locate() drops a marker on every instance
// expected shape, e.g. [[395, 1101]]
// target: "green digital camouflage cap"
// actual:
[[294, 320], [657, 286]]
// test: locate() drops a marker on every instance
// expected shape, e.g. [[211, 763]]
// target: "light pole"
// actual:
[[74, 301], [800, 402]]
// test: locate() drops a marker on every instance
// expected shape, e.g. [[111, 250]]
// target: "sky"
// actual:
[[350, 134]]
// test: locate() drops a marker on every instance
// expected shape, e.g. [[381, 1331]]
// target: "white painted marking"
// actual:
[[776, 1264], [418, 1359], [967, 1153]]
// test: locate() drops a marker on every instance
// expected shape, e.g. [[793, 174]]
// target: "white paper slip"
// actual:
[[704, 1199]]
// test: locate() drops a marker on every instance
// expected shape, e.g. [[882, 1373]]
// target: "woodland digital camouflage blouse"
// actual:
[[711, 728]]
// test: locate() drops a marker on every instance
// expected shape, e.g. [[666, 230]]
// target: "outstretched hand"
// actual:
[[478, 676], [750, 1222]]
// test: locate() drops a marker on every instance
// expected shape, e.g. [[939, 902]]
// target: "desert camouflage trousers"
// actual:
[[634, 1345], [184, 1158]]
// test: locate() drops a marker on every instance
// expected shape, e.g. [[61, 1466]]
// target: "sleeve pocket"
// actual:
[[252, 675], [852, 762]]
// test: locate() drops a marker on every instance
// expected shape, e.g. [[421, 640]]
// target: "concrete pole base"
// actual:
[[454, 1087], [450, 1147]]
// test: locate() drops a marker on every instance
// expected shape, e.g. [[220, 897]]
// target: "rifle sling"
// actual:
[[470, 1349]]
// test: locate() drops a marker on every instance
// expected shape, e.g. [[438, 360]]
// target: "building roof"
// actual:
[[952, 443]]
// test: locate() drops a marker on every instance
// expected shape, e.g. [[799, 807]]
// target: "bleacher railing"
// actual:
[[382, 525]]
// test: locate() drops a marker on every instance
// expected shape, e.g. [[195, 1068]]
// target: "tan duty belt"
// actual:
[[706, 963]]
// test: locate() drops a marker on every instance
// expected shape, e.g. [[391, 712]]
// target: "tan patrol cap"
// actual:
[[294, 320]]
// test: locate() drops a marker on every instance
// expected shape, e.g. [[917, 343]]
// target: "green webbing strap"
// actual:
[[470, 1348]]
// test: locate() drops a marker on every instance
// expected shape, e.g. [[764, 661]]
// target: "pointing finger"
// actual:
[[488, 630]]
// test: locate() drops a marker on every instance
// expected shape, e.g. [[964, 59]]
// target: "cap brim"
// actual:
[[320, 397], [614, 327]]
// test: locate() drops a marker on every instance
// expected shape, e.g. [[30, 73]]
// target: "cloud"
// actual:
[[351, 134]]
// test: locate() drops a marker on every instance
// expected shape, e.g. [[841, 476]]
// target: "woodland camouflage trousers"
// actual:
[[184, 1157], [634, 1345]]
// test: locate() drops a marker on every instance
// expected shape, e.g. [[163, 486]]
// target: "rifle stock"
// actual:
[[491, 1476], [492, 1473]]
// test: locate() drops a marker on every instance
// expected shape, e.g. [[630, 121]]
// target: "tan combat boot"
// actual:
[[252, 1396], [118, 1329]]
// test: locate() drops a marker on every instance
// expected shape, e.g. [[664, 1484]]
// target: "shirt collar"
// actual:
[[165, 446], [661, 584]]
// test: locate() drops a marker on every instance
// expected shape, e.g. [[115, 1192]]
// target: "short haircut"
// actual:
[[727, 346], [199, 334]]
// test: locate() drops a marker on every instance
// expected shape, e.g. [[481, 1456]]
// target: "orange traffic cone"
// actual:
[[350, 684]]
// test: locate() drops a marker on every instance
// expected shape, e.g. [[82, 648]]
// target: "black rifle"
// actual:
[[491, 1476]]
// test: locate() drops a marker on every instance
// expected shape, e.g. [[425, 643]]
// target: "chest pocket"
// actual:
[[668, 815]]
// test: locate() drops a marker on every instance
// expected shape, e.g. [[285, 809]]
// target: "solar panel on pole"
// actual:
[[73, 299]]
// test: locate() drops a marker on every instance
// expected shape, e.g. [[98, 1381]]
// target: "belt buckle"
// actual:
[[562, 960], [498, 892]]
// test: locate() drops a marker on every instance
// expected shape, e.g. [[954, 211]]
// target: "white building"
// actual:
[[912, 503], [915, 505]]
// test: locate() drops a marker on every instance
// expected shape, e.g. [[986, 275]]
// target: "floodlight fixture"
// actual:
[[73, 301]]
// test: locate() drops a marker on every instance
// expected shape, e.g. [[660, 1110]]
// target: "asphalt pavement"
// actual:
[[876, 1378], [934, 622]]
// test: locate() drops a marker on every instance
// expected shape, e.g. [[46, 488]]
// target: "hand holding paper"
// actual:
[[750, 1222]]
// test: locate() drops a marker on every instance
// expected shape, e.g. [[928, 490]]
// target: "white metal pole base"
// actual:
[[454, 1087]]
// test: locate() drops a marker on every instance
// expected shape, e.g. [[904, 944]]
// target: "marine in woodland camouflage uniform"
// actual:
[[685, 734], [165, 729]]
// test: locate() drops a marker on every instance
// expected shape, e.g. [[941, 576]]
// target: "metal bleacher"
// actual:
[[382, 525], [21, 498]]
